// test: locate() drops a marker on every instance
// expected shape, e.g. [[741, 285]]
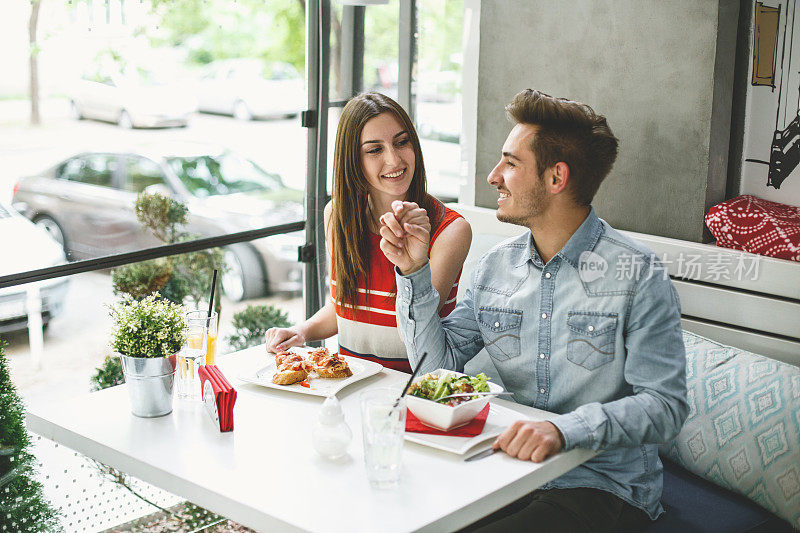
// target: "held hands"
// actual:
[[279, 339], [530, 441], [406, 232]]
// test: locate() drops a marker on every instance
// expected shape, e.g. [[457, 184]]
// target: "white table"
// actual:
[[266, 475]]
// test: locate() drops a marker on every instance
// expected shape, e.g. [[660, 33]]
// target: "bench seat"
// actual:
[[694, 505]]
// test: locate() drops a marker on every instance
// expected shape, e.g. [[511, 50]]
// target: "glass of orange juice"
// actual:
[[207, 325], [200, 349]]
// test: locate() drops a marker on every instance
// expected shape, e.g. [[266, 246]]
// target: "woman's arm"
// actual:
[[447, 257], [320, 326]]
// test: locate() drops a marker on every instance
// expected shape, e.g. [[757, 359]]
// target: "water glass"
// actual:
[[383, 427]]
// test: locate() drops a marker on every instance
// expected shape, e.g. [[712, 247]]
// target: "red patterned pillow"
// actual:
[[757, 226]]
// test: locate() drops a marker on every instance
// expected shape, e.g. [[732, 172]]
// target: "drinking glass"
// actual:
[[193, 353], [383, 427], [209, 324]]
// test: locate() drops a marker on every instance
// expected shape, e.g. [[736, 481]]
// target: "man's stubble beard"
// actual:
[[529, 208]]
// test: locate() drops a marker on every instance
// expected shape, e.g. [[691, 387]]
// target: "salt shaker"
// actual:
[[331, 434]]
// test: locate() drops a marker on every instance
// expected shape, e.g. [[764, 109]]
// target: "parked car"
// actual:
[[87, 203], [28, 247], [439, 121], [250, 88], [134, 98]]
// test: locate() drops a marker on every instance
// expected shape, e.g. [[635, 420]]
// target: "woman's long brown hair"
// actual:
[[351, 212]]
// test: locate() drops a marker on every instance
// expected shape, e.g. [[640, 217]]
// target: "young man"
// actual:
[[579, 320]]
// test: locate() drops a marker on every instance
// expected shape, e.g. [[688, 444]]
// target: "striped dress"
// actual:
[[372, 333]]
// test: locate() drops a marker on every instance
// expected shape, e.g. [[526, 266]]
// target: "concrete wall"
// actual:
[[661, 72]]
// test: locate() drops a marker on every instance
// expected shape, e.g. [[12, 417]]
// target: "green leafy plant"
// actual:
[[151, 327], [23, 506], [252, 323], [109, 374], [162, 215], [178, 277], [141, 279]]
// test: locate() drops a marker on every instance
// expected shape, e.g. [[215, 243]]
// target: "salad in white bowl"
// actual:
[[425, 398], [435, 386]]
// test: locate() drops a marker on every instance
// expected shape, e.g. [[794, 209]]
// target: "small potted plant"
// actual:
[[147, 334]]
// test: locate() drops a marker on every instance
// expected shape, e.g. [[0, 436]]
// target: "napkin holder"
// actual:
[[218, 397]]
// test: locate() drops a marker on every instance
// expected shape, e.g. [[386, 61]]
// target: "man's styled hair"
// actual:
[[570, 132]]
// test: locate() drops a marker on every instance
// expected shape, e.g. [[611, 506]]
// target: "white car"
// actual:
[[135, 98], [30, 248], [250, 88]]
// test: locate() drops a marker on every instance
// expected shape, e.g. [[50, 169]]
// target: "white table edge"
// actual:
[[474, 511], [197, 494]]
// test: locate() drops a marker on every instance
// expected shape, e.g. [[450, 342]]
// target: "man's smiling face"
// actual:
[[523, 196]]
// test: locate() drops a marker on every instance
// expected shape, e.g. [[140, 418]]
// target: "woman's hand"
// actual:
[[405, 235], [281, 339]]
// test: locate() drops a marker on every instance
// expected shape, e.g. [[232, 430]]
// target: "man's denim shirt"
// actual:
[[593, 335]]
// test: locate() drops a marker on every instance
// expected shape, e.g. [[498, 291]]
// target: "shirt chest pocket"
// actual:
[[592, 338], [500, 331]]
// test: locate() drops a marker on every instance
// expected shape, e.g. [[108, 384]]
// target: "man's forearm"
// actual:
[[642, 418], [422, 330]]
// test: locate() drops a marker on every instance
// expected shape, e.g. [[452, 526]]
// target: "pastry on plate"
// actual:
[[287, 358], [319, 354], [332, 366], [289, 377], [291, 368]]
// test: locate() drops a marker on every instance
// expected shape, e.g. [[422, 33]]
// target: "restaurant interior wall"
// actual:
[[662, 73]]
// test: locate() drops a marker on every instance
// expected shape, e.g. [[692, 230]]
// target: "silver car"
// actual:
[[87, 203], [29, 248], [250, 88], [135, 98]]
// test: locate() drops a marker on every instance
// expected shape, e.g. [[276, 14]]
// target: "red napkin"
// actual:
[[475, 427], [218, 396]]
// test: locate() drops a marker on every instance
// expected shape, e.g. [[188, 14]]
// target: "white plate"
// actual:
[[498, 420], [319, 387]]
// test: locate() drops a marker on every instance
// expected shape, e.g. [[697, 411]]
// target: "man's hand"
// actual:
[[406, 232], [530, 441]]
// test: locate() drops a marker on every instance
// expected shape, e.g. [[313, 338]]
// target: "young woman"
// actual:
[[377, 161]]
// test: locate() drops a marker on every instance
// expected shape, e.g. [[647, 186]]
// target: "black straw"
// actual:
[[213, 288], [411, 379]]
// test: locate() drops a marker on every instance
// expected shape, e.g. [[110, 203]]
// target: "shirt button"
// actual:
[[408, 289], [541, 390], [497, 324], [590, 328], [541, 356], [547, 275], [544, 315]]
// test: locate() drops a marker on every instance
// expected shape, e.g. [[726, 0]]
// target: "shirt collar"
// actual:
[[531, 254], [584, 238]]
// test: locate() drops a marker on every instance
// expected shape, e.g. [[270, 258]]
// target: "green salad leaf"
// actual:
[[433, 387]]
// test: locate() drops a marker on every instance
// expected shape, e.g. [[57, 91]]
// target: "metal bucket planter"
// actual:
[[150, 381]]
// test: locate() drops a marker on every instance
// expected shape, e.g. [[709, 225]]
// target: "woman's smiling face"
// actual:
[[387, 157]]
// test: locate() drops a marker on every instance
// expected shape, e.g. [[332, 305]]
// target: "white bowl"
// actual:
[[443, 417]]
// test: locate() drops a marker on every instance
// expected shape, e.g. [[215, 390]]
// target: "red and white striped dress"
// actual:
[[372, 333]]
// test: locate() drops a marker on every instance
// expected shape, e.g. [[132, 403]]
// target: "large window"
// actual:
[[175, 126]]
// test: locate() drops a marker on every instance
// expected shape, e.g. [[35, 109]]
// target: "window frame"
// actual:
[[315, 119]]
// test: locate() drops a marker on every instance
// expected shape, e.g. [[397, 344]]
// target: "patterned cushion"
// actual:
[[757, 226], [743, 428]]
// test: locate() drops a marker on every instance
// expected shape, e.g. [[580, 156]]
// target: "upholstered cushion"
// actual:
[[757, 226], [693, 505], [743, 428]]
